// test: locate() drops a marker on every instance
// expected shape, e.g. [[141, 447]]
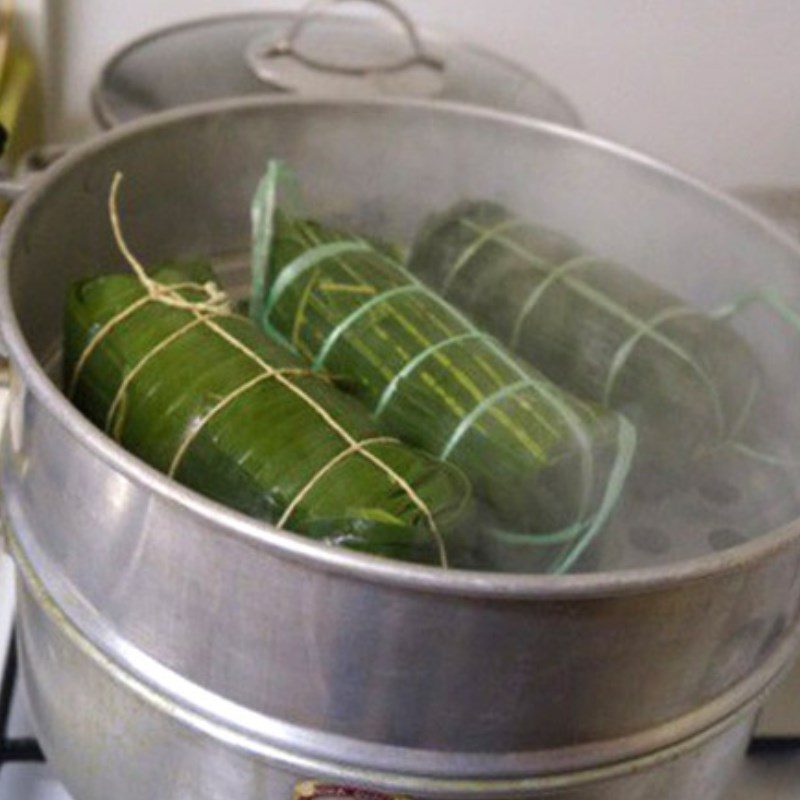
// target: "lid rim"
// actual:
[[560, 109]]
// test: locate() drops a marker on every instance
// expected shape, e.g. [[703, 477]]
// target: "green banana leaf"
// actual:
[[542, 462], [225, 411], [600, 330]]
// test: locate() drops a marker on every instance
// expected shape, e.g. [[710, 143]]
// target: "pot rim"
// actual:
[[286, 544], [107, 119]]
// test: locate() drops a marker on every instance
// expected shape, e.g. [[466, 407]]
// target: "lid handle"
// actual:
[[286, 46]]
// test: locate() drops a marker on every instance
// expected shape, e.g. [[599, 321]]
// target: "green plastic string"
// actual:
[[515, 538], [606, 303], [746, 409], [584, 531], [472, 331], [626, 434], [486, 236], [275, 334], [771, 297], [628, 346], [262, 214], [623, 459], [303, 263], [469, 419], [408, 369], [766, 458], [536, 294], [333, 337], [626, 450]]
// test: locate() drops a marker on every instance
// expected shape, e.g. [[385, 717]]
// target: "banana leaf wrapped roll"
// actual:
[[547, 466], [199, 393], [594, 327]]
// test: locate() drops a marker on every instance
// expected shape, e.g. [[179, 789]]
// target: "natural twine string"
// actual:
[[212, 304]]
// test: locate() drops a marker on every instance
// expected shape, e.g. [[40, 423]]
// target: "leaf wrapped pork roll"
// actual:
[[199, 393], [598, 329], [543, 462]]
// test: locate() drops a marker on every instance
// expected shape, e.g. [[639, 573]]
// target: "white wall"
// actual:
[[710, 85]]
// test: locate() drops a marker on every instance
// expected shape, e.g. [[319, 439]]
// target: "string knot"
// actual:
[[214, 301]]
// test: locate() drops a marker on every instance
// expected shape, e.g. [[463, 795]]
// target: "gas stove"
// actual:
[[771, 772]]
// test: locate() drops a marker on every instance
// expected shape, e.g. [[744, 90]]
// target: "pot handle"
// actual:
[[286, 46]]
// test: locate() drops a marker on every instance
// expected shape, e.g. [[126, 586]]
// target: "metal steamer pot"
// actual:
[[176, 648]]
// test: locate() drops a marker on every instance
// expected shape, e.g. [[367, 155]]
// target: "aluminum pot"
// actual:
[[457, 684]]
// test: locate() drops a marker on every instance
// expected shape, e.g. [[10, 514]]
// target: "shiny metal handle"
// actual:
[[287, 45]]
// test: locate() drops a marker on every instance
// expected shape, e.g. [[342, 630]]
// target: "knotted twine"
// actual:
[[212, 304]]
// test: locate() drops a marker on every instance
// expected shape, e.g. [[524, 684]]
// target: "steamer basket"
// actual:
[[454, 681]]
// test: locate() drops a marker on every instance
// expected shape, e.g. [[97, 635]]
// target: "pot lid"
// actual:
[[315, 52]]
